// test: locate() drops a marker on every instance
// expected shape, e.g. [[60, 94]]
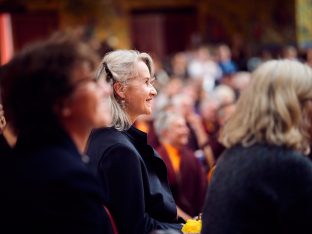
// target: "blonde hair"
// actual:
[[273, 108], [119, 66]]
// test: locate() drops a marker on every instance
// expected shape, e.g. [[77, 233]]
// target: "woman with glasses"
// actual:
[[53, 102], [263, 181], [131, 172]]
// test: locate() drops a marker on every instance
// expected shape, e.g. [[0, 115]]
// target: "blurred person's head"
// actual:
[[52, 84], [224, 52], [179, 64], [225, 94], [208, 109], [240, 81], [130, 74], [203, 53], [274, 109], [183, 104], [289, 52], [171, 128], [224, 112], [173, 87]]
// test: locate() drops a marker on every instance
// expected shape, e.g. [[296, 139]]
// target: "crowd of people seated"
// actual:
[[131, 144]]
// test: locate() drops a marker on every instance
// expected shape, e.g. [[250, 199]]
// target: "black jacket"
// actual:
[[259, 189], [46, 188], [5, 149], [135, 178]]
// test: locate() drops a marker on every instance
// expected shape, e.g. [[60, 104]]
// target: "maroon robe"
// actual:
[[189, 186]]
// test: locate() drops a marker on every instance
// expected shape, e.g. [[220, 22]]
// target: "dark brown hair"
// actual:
[[38, 78]]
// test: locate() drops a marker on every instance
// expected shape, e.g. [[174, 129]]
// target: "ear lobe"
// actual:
[[62, 110], [66, 112], [119, 90]]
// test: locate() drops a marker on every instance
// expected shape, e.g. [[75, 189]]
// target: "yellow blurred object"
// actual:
[[192, 226]]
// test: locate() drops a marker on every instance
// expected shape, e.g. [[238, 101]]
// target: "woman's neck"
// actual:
[[132, 118], [78, 134], [80, 139]]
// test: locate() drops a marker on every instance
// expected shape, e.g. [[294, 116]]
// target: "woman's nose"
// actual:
[[153, 90]]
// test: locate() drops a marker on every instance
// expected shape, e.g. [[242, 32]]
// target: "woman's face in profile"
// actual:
[[140, 92]]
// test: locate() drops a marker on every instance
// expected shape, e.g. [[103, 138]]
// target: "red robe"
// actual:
[[189, 185]]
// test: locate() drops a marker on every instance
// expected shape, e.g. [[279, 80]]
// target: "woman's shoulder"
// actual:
[[110, 141], [104, 132], [263, 150], [257, 156], [107, 137]]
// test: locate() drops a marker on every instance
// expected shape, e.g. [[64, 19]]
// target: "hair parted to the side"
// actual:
[[119, 66], [273, 108]]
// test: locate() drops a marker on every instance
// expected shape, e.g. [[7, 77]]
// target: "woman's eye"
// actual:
[[149, 81]]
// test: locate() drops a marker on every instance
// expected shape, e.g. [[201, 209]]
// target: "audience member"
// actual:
[[186, 176], [132, 173], [52, 102], [263, 181]]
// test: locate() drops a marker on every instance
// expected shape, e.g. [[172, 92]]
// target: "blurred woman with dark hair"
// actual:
[[53, 101]]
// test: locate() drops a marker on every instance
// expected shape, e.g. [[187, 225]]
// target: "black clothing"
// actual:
[[135, 178], [259, 189], [5, 149], [48, 189]]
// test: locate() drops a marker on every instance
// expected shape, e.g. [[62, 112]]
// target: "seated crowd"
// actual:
[[101, 146]]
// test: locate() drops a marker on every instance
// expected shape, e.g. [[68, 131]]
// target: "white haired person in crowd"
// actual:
[[187, 179], [132, 173]]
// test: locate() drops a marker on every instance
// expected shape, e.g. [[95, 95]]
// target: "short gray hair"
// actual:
[[164, 120], [119, 66]]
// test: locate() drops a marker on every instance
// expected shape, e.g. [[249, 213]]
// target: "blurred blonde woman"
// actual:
[[263, 181]]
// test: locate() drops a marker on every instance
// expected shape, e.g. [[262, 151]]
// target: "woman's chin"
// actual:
[[104, 122]]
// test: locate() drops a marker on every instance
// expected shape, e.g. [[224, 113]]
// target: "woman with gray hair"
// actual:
[[186, 176], [134, 175], [263, 181]]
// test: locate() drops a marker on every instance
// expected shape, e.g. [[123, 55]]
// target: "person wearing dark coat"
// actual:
[[263, 181], [53, 102], [131, 172]]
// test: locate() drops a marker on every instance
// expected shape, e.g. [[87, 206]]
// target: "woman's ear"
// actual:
[[66, 112], [62, 109], [119, 89]]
